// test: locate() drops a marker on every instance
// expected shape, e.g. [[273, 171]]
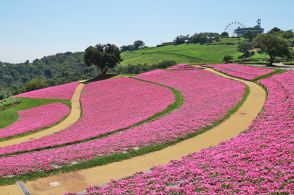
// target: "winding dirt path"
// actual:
[[78, 180], [73, 117]]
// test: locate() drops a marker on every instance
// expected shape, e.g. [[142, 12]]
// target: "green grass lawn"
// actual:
[[184, 53], [10, 115]]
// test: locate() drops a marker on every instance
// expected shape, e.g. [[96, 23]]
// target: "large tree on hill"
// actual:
[[137, 44], [272, 45], [102, 56]]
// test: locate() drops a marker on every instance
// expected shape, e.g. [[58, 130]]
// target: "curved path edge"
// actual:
[[73, 117], [79, 180]]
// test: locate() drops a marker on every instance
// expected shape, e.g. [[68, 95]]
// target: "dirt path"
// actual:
[[78, 180], [69, 120]]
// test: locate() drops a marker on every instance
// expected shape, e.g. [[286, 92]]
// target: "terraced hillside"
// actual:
[[150, 119], [166, 129], [259, 160]]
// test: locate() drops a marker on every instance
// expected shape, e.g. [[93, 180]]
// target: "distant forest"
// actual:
[[47, 71]]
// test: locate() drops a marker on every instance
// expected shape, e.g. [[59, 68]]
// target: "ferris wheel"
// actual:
[[230, 28]]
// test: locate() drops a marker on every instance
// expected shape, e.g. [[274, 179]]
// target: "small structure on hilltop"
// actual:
[[238, 29], [256, 29]]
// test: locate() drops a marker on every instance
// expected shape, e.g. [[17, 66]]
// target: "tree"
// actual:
[[103, 57], [224, 35], [127, 48], [203, 38], [181, 39], [273, 45], [250, 35], [138, 44], [246, 48], [274, 30], [228, 59], [288, 34]]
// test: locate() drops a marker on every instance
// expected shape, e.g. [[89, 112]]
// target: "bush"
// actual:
[[139, 68], [4, 93], [37, 83], [228, 59], [165, 64], [8, 102]]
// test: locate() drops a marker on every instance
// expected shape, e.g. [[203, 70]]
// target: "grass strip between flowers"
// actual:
[[33, 131], [106, 159], [10, 115], [276, 71]]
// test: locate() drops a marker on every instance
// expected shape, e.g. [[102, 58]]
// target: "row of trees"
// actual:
[[201, 38], [135, 46]]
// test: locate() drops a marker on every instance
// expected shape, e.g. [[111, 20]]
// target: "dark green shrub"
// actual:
[[139, 68], [228, 59], [37, 83], [8, 102]]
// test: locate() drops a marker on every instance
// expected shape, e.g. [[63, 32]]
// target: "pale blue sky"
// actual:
[[31, 29]]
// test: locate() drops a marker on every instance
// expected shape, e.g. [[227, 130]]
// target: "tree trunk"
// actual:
[[101, 75], [104, 71], [272, 60]]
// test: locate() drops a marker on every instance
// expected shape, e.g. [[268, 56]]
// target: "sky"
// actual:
[[31, 29]]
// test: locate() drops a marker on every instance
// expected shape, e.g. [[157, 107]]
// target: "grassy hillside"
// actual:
[[184, 53]]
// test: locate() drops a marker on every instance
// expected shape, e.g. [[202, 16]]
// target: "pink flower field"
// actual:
[[259, 161], [124, 101], [204, 103], [36, 118], [241, 71], [64, 92]]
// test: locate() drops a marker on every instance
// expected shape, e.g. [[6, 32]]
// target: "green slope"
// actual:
[[184, 53]]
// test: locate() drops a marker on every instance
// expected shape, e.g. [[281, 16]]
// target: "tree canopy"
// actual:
[[135, 46], [224, 35], [102, 56], [274, 30], [138, 44], [246, 48], [273, 45], [250, 35], [181, 39], [203, 38]]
